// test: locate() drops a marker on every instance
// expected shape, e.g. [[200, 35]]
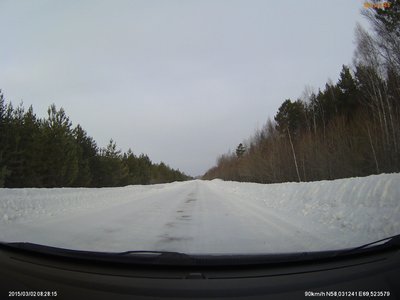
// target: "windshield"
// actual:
[[200, 127]]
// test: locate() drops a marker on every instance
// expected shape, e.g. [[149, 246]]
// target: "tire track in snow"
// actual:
[[287, 236]]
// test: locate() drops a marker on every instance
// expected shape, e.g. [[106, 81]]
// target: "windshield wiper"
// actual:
[[168, 258], [135, 257], [386, 243], [159, 257]]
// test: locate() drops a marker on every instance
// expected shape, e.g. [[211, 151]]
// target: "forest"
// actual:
[[349, 128], [50, 152]]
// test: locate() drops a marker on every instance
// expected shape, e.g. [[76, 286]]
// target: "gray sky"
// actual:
[[182, 81]]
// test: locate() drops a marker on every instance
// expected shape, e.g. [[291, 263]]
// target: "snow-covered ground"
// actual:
[[206, 216]]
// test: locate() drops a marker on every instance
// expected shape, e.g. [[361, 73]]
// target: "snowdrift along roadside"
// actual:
[[367, 205], [206, 216], [26, 204]]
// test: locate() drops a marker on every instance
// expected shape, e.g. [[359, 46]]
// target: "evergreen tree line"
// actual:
[[350, 128], [49, 152]]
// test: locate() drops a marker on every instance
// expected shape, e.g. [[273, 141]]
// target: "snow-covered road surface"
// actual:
[[206, 216]]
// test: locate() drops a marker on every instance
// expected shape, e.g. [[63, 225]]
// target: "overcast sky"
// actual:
[[182, 81]]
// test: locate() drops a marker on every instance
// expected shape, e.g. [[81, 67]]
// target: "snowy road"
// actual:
[[191, 217]]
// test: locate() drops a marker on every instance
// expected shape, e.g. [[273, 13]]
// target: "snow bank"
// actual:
[[206, 216], [27, 204], [368, 206]]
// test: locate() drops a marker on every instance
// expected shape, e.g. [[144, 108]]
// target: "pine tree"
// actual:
[[348, 101], [86, 152], [240, 150], [3, 167], [59, 159]]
